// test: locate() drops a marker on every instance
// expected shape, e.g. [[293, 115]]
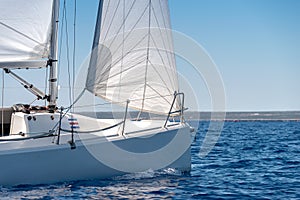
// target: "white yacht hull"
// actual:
[[41, 161]]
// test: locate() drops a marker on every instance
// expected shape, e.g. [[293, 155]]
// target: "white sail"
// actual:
[[25, 33], [133, 57]]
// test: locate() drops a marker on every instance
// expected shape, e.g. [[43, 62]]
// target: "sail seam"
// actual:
[[120, 58], [119, 30], [24, 35], [119, 73], [161, 34], [112, 19], [161, 78], [164, 21], [158, 50], [129, 33], [105, 15], [147, 59], [163, 97]]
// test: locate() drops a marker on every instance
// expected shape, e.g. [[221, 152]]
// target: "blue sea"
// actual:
[[251, 160]]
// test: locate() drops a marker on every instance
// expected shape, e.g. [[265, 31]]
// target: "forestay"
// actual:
[[133, 57], [25, 33]]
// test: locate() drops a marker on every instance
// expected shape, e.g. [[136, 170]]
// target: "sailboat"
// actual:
[[132, 64]]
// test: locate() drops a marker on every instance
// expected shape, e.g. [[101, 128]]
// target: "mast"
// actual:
[[52, 62]]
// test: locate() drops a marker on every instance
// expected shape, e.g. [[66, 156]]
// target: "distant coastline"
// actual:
[[246, 116]]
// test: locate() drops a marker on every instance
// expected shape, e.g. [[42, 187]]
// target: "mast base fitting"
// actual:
[[52, 108]]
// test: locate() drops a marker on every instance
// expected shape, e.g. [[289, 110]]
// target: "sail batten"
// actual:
[[132, 57], [25, 32]]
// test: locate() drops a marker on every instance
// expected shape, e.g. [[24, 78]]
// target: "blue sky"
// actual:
[[254, 43]]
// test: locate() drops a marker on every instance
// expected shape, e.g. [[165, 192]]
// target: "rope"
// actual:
[[43, 135], [93, 131]]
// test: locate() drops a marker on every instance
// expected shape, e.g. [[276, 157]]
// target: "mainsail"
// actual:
[[133, 57], [25, 33]]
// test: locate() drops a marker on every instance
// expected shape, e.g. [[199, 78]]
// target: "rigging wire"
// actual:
[[122, 61], [64, 38], [33, 102], [74, 49], [67, 52], [2, 104], [60, 48], [147, 60], [70, 69]]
